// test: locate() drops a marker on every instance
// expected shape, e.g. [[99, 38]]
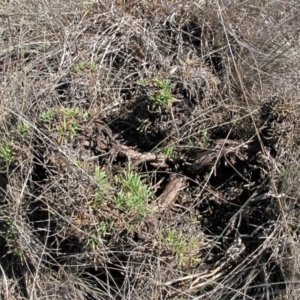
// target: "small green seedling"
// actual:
[[100, 195], [103, 228], [134, 194], [205, 139], [93, 67], [100, 177], [169, 151], [72, 113], [66, 123], [6, 152], [142, 82], [9, 230], [183, 246], [163, 97], [98, 236], [54, 215], [176, 241], [69, 124], [47, 116], [92, 243], [22, 256], [80, 67], [194, 220], [68, 129], [24, 129], [83, 66]]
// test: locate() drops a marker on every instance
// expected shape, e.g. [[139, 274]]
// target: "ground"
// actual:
[[149, 150]]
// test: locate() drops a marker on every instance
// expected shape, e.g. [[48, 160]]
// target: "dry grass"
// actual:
[[86, 152]]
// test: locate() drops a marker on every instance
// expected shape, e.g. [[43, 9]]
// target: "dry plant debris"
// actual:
[[149, 149]]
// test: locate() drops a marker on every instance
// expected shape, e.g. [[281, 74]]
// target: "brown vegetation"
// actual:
[[149, 149]]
